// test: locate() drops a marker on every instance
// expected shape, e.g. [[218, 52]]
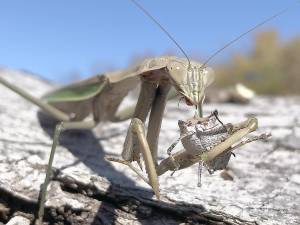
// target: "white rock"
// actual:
[[18, 220]]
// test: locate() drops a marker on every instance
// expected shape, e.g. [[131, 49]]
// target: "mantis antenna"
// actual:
[[245, 33], [163, 29]]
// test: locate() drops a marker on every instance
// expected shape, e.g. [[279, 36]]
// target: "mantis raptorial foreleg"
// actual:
[[153, 96], [142, 109], [128, 112], [156, 117], [136, 142], [145, 100], [62, 126], [136, 134], [139, 129]]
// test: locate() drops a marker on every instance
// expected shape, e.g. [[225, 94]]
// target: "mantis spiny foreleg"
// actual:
[[145, 100], [128, 112], [136, 142], [137, 130], [156, 116]]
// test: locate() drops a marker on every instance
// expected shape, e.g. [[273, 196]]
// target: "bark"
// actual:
[[261, 185]]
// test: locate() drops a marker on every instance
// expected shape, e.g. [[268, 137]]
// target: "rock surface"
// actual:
[[264, 184], [19, 220]]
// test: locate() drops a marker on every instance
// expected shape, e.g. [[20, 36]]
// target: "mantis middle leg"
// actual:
[[62, 126]]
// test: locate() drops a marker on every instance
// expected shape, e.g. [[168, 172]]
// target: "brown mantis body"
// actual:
[[100, 97]]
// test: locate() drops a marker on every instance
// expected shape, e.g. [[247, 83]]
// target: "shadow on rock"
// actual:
[[85, 146]]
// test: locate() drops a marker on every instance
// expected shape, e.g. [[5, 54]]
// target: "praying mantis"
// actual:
[[101, 95]]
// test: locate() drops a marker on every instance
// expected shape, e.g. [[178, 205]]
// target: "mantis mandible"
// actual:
[[101, 95]]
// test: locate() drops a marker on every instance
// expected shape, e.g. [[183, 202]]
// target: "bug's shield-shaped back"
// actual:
[[205, 135]]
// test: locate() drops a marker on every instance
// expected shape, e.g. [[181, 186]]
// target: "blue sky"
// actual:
[[56, 39]]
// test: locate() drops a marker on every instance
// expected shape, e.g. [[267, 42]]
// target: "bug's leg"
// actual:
[[58, 129], [200, 166], [210, 171], [156, 116], [56, 113], [215, 113], [175, 164], [172, 146]]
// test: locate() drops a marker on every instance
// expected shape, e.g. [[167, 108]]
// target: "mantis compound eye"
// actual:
[[188, 101]]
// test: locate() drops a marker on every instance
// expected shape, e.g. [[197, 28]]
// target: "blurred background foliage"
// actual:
[[270, 67]]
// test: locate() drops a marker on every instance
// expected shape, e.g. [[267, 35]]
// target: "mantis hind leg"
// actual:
[[56, 113], [58, 129]]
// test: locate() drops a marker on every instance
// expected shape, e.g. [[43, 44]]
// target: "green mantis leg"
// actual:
[[56, 113], [58, 129]]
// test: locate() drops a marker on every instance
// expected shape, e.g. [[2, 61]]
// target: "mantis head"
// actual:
[[190, 79]]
